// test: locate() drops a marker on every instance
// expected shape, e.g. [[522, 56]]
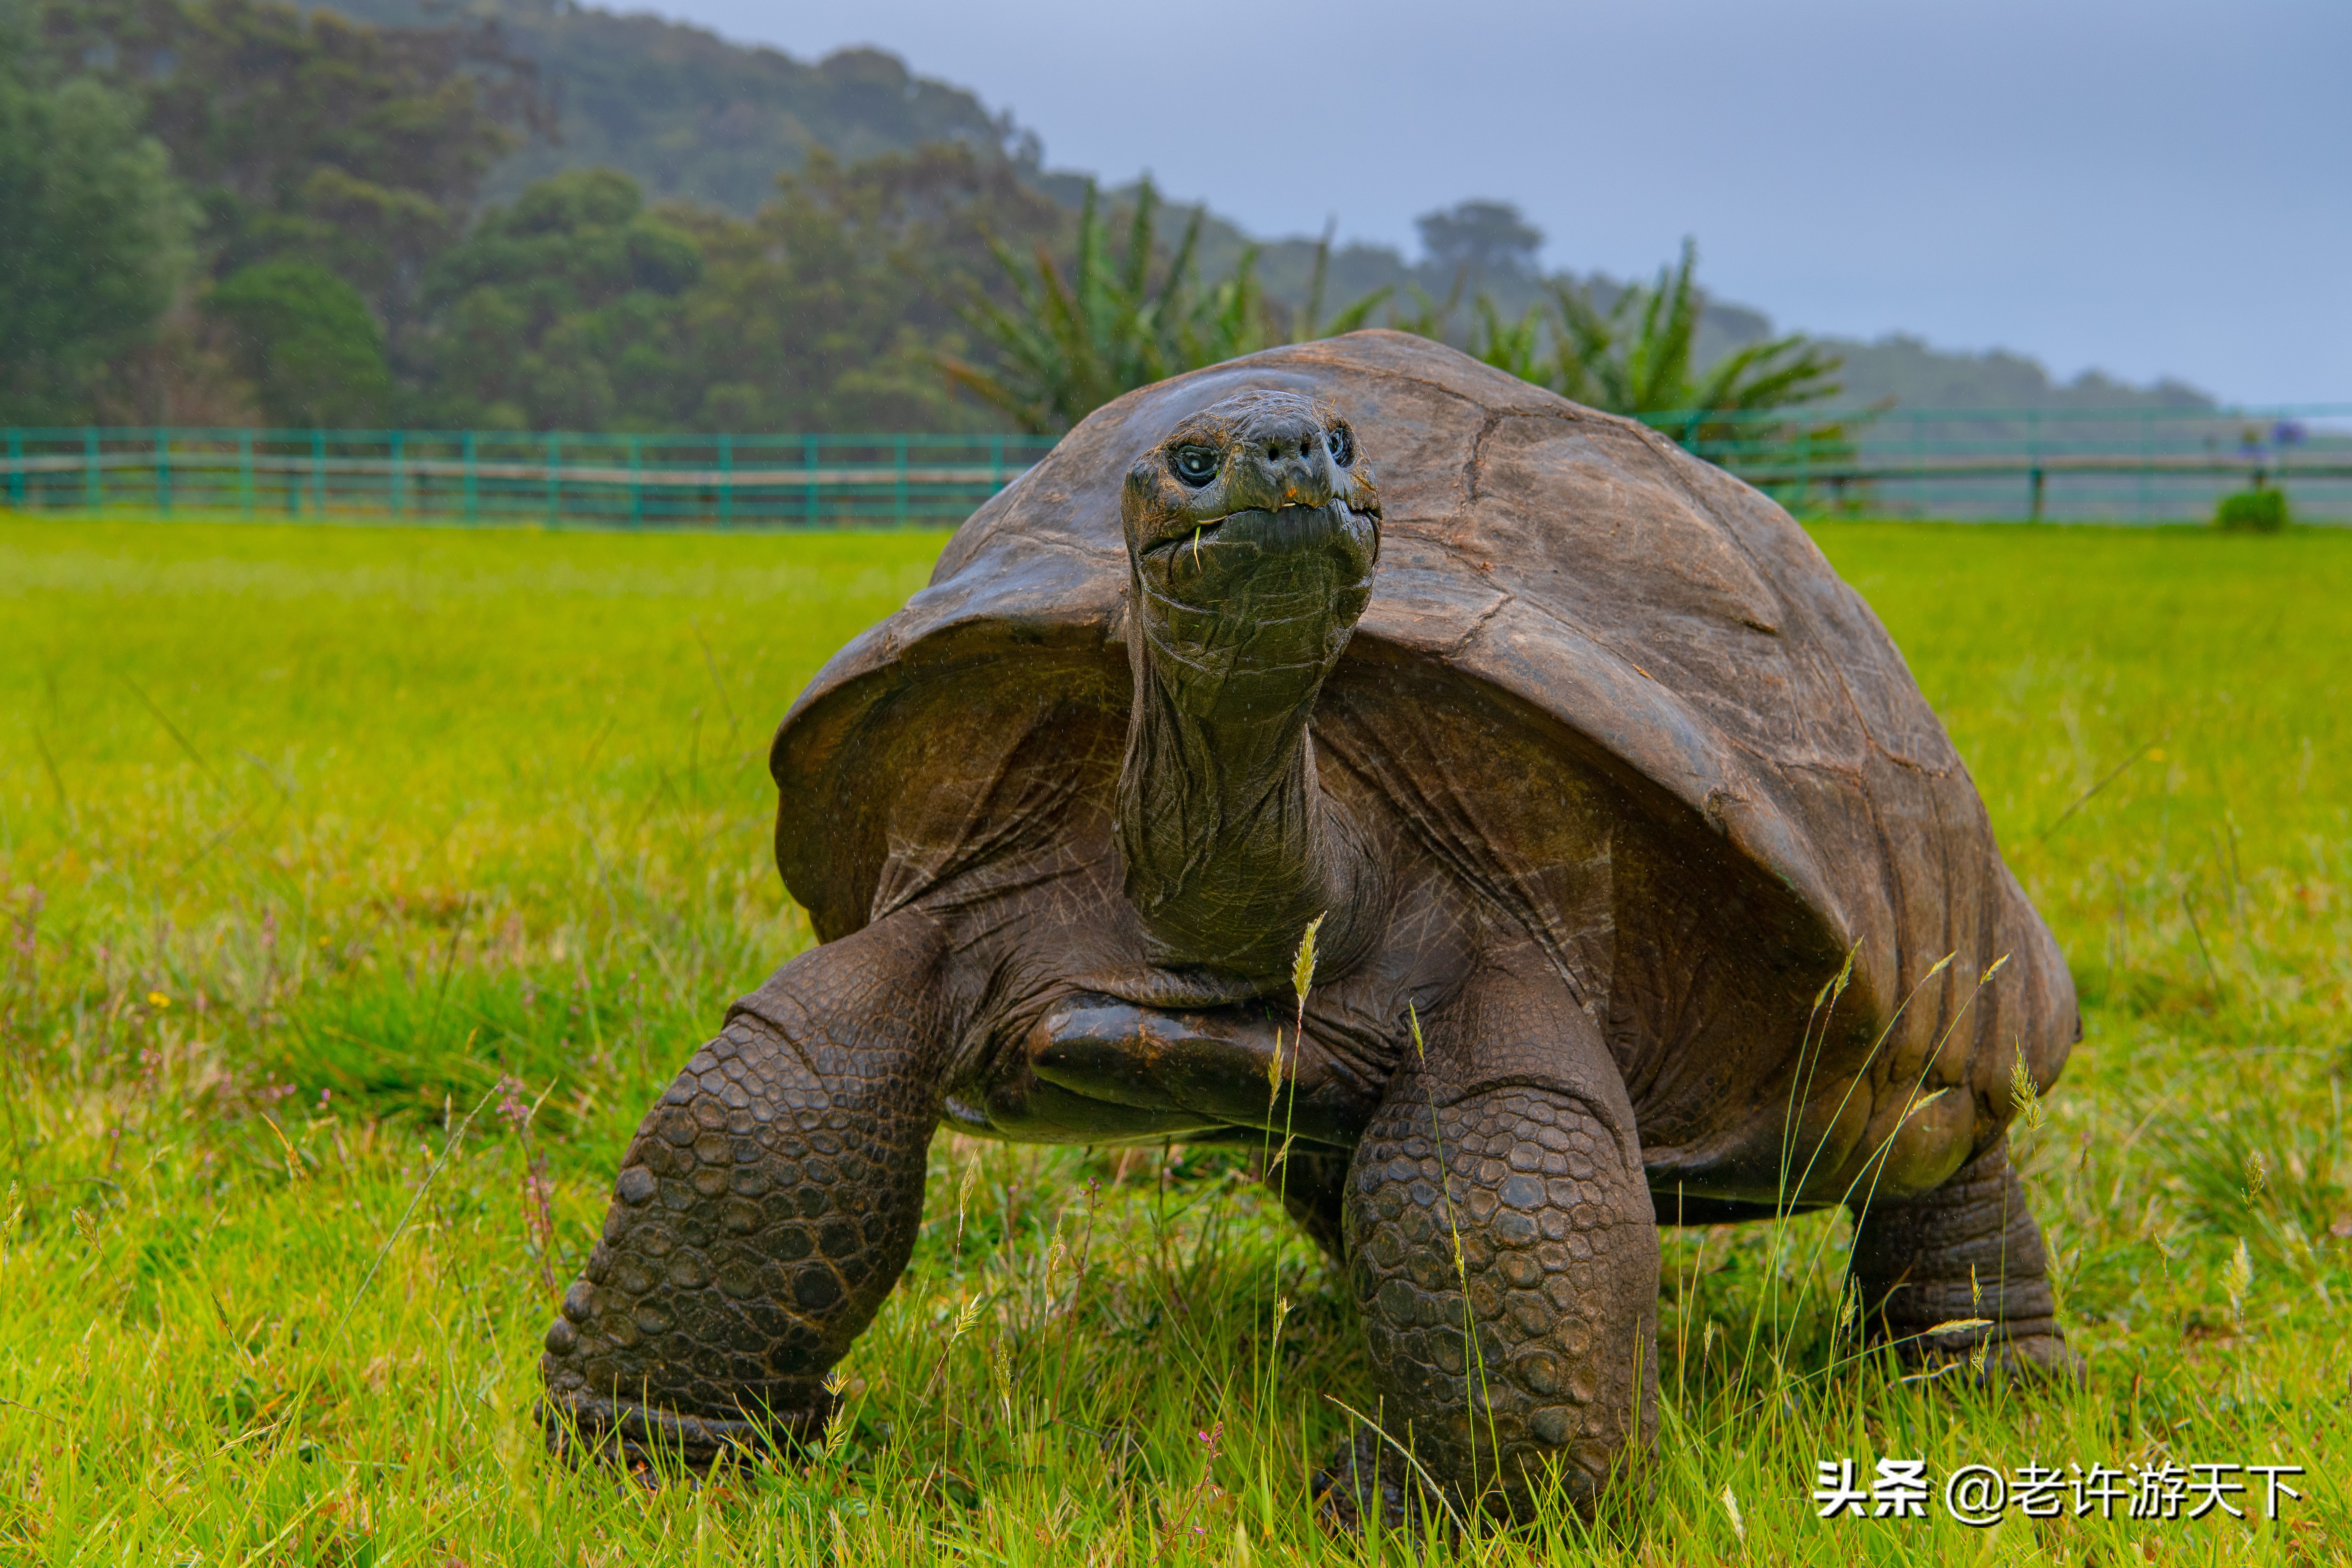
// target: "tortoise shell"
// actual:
[[1807, 894]]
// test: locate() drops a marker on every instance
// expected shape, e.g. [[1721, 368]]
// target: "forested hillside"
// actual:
[[524, 215], [231, 212], [691, 115], [1903, 371]]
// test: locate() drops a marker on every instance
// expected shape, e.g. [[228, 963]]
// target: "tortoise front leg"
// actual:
[[766, 1206], [1969, 1249], [1506, 1258]]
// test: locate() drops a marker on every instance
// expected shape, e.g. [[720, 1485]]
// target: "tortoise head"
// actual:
[[1252, 530]]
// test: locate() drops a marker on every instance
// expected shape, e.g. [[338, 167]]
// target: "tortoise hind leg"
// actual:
[[764, 1209], [1968, 1249]]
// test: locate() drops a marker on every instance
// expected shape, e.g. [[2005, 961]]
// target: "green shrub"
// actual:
[[307, 339], [2252, 512]]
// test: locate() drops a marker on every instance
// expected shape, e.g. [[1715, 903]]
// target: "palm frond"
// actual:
[[1065, 345]]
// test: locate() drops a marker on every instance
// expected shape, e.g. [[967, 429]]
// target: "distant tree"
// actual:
[[92, 236], [826, 310], [579, 306], [563, 311], [1635, 358], [1479, 239], [304, 338], [309, 135]]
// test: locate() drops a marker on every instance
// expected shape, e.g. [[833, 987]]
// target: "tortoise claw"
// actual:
[[648, 1440]]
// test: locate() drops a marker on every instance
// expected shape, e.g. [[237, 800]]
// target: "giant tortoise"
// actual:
[[1651, 891]]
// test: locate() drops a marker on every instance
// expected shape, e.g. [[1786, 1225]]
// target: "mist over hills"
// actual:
[[692, 115], [697, 118]]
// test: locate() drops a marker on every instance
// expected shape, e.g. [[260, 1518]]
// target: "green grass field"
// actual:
[[347, 872]]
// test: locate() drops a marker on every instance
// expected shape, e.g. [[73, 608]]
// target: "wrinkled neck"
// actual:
[[1229, 844]]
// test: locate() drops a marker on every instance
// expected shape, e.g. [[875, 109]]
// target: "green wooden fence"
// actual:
[[2132, 464], [2138, 465], [556, 478]]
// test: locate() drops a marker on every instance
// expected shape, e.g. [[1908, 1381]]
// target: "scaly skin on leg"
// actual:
[[1968, 1249], [1550, 1376], [766, 1206]]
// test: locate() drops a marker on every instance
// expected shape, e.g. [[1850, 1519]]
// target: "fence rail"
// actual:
[[556, 480], [2136, 464], [2145, 465]]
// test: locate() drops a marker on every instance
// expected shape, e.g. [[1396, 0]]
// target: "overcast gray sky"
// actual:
[[2148, 188]]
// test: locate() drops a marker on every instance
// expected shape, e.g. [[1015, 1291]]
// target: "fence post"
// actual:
[[636, 484], [727, 481], [245, 472], [319, 474], [92, 489], [163, 470], [399, 477], [808, 490], [2146, 466], [554, 476], [899, 463], [16, 467], [995, 464], [471, 478], [2034, 463]]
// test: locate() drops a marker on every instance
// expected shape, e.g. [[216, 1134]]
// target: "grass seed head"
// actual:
[[1000, 1369], [1731, 1506], [2023, 1096], [1834, 986], [2239, 1278], [1302, 967], [2258, 1173], [837, 1428]]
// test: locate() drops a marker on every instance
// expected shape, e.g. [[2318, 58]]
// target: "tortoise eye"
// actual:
[[1342, 443], [1196, 465]]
